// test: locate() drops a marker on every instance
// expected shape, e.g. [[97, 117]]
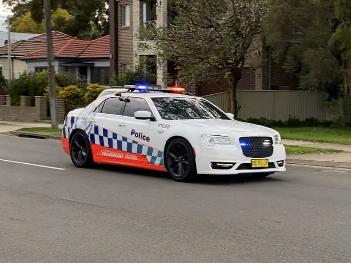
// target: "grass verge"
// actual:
[[317, 134], [43, 131], [293, 149]]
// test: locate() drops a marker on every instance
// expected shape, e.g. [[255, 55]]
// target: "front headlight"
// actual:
[[277, 139], [211, 140]]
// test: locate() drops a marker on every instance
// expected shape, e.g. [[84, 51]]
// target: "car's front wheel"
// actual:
[[180, 160], [80, 150]]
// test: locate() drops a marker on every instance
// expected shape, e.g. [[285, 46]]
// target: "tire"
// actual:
[[261, 175], [80, 150], [180, 160]]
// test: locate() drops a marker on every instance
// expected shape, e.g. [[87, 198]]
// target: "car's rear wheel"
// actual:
[[180, 160], [80, 150]]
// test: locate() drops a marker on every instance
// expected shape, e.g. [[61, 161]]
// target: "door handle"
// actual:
[[121, 125]]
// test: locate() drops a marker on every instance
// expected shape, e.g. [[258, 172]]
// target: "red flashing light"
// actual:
[[177, 89]]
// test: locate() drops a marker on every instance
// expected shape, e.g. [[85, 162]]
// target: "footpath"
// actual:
[[7, 126], [337, 160]]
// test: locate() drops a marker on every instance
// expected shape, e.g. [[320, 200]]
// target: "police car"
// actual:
[[163, 130]]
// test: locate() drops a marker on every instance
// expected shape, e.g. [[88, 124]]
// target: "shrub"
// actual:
[[67, 79], [28, 84], [137, 76], [2, 85], [291, 123], [73, 97], [92, 92]]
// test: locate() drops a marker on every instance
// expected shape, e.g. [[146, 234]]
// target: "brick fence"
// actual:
[[27, 113]]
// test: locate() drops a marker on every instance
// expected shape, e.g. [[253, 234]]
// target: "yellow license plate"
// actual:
[[260, 163]]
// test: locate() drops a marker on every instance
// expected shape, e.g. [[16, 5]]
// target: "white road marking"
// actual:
[[320, 167], [33, 164]]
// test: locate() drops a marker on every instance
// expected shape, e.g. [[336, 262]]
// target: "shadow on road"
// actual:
[[200, 179]]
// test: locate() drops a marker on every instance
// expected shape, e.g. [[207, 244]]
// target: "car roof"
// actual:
[[150, 95]]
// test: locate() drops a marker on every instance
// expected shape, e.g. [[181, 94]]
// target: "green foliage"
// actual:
[[340, 42], [85, 19], [28, 84], [92, 92], [73, 97], [26, 24], [67, 79], [3, 85], [292, 122], [131, 77], [209, 39], [299, 32]]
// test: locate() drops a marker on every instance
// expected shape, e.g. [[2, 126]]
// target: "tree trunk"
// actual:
[[235, 76]]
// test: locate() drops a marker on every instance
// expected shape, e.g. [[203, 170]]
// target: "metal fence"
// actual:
[[277, 105]]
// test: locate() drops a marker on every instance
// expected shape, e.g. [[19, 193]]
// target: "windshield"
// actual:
[[187, 109]]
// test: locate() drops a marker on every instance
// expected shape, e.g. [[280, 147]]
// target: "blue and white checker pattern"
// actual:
[[68, 126], [106, 138]]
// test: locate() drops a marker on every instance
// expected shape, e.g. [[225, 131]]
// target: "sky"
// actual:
[[4, 12]]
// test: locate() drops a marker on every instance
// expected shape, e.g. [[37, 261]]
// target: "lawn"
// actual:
[[293, 149], [43, 131], [317, 134]]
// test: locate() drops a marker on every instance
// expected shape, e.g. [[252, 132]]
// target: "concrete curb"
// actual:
[[320, 163], [33, 135]]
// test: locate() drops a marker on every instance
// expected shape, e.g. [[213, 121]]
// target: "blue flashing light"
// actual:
[[245, 143], [141, 87]]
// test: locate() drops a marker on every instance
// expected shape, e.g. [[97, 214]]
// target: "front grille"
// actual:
[[248, 166], [256, 147]]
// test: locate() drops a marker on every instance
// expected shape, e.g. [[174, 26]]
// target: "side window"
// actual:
[[99, 108], [135, 104], [113, 106]]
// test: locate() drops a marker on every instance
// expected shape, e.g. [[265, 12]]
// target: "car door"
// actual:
[[147, 137], [106, 124]]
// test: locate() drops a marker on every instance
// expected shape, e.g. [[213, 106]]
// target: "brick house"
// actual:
[[260, 73]]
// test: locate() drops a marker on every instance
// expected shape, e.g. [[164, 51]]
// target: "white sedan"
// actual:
[[181, 134]]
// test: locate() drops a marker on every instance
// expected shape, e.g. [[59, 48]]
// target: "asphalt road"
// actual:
[[109, 214]]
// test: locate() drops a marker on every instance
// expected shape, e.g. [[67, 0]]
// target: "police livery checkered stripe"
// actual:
[[106, 138], [67, 127], [103, 137]]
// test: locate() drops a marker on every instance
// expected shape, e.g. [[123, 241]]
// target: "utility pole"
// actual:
[[113, 14], [9, 59], [51, 69]]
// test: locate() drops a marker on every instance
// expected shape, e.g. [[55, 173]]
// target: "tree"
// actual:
[[209, 39], [340, 41], [81, 19], [298, 32], [26, 24]]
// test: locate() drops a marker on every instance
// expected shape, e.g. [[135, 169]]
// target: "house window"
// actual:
[[40, 69], [125, 15], [148, 13], [100, 75]]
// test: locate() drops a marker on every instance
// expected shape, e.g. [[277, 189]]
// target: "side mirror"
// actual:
[[143, 115], [230, 115]]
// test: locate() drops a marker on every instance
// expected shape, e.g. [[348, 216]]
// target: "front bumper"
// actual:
[[207, 156]]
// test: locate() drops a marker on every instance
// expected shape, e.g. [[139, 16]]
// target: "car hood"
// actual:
[[226, 127]]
